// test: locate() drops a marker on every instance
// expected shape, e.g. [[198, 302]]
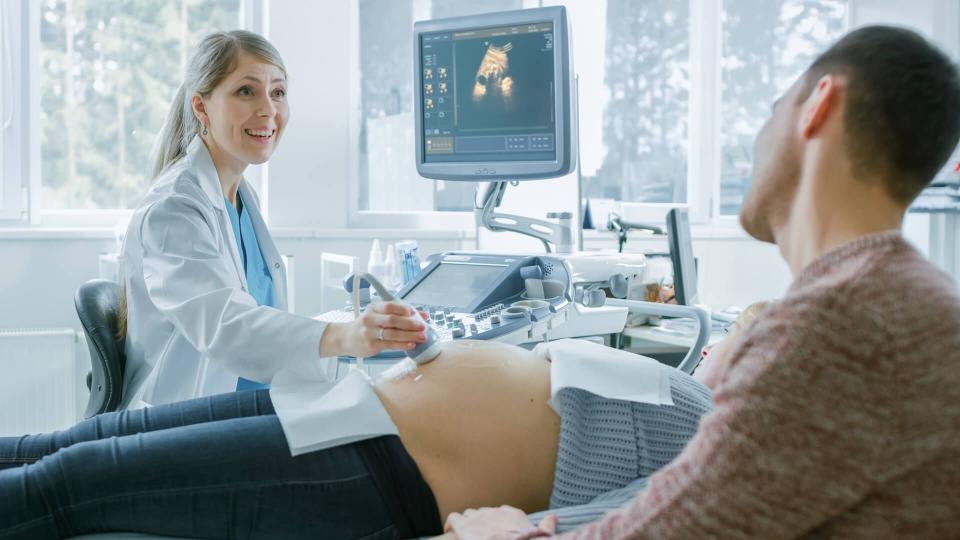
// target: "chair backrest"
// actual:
[[98, 304]]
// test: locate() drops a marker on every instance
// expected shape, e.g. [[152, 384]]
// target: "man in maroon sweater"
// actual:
[[838, 412]]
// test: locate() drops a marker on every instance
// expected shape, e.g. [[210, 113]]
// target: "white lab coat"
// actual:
[[193, 328]]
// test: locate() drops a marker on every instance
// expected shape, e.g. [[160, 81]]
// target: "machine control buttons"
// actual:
[[495, 319], [458, 332], [473, 328]]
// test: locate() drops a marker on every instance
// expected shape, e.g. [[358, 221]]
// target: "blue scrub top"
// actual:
[[259, 280]]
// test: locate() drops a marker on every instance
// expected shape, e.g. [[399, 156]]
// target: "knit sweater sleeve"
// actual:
[[793, 438]]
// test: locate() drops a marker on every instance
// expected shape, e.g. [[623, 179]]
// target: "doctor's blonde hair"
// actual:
[[212, 61]]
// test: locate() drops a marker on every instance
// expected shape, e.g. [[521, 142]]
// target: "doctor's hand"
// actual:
[[503, 523], [384, 325]]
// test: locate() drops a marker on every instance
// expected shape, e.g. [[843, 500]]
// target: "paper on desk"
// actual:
[[607, 372], [316, 412]]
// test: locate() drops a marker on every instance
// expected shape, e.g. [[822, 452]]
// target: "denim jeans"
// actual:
[[214, 467]]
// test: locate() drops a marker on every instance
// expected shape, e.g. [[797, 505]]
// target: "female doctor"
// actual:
[[204, 302]]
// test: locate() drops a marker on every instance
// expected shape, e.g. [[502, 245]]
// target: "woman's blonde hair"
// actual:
[[749, 315], [212, 61]]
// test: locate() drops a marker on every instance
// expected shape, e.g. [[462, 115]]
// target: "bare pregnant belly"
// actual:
[[477, 423]]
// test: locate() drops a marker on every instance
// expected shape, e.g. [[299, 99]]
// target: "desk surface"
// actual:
[[656, 340]]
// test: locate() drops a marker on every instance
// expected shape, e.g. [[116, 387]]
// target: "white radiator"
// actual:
[[42, 379]]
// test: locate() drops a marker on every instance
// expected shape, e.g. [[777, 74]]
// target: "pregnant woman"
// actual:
[[219, 466]]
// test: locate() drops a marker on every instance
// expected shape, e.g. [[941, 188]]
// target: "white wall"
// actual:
[[309, 172], [41, 275]]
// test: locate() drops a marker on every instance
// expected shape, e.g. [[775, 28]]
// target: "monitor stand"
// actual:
[[560, 234]]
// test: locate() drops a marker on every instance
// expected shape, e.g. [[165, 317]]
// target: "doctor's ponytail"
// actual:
[[170, 141]]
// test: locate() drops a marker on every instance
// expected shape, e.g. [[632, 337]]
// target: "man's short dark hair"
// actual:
[[902, 113]]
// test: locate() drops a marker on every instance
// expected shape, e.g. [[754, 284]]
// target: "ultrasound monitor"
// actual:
[[493, 96]]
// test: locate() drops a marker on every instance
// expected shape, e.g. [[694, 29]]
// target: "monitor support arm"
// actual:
[[620, 226], [559, 234]]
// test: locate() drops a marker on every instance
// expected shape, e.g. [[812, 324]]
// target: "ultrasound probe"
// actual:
[[423, 352]]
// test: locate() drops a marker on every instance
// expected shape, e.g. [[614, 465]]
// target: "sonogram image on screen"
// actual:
[[504, 82], [492, 81]]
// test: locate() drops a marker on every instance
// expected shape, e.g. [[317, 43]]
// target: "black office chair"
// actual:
[[98, 304]]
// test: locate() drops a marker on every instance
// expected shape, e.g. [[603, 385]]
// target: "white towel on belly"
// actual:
[[606, 372], [318, 413]]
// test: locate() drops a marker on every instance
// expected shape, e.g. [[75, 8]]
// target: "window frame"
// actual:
[[704, 137], [357, 218], [17, 105], [20, 165]]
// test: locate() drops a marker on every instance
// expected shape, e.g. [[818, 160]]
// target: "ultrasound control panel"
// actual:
[[489, 323], [481, 296], [511, 298]]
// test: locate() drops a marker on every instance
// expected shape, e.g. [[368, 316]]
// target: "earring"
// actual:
[[204, 131]]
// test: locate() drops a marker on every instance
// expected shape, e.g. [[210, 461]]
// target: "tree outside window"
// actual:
[[766, 46], [110, 69]]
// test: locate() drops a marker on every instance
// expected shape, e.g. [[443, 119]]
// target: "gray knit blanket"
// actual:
[[608, 448]]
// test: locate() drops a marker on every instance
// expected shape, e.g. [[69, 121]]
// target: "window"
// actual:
[[11, 111], [6, 108], [642, 118], [109, 69], [640, 155], [766, 46], [387, 175]]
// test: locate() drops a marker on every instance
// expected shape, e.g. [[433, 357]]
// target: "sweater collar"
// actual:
[[829, 260]]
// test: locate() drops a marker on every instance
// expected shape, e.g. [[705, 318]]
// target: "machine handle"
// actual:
[[531, 272], [672, 310]]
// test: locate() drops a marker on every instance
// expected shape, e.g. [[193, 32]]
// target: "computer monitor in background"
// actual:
[[493, 96], [681, 255]]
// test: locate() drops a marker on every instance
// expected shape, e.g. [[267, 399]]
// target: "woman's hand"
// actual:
[[385, 325], [504, 523]]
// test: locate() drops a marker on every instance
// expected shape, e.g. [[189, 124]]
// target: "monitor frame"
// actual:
[[681, 257], [565, 131]]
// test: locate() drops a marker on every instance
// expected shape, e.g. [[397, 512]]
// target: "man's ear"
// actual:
[[823, 102], [199, 109]]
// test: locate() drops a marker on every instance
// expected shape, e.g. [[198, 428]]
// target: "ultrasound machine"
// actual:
[[494, 102]]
